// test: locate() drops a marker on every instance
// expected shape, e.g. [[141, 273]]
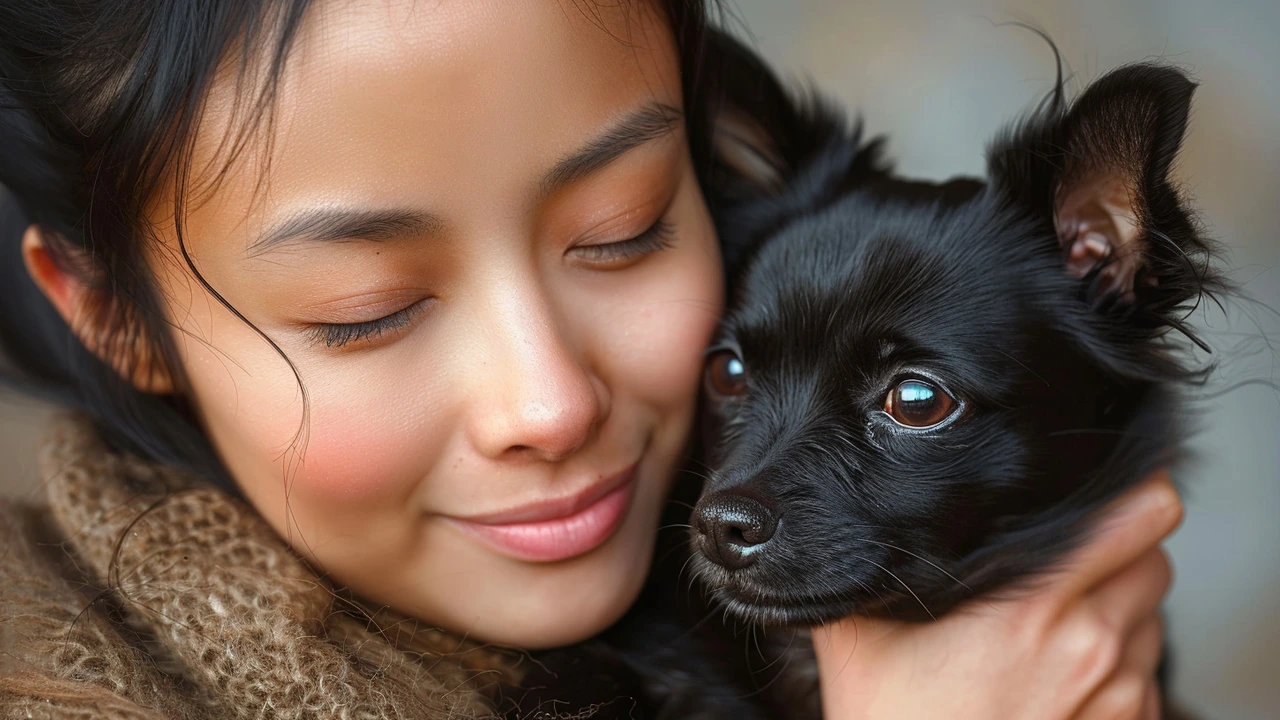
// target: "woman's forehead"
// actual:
[[432, 102]]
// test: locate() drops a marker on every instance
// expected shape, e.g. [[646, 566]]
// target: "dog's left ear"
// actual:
[[1100, 171]]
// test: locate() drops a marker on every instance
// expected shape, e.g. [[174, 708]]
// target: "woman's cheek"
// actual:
[[670, 326], [352, 460], [369, 444], [679, 314], [363, 440]]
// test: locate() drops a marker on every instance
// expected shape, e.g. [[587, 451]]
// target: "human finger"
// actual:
[[1151, 706], [1129, 527], [1125, 694], [1136, 592]]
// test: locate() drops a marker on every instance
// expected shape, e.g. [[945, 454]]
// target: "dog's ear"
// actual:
[[1097, 175], [1100, 170], [747, 151], [774, 152], [762, 134]]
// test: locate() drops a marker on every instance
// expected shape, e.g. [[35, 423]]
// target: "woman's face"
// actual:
[[474, 230]]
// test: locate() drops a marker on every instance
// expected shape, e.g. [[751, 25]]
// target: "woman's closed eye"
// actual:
[[657, 236], [336, 335]]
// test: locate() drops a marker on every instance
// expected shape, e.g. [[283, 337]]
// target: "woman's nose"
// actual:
[[543, 399]]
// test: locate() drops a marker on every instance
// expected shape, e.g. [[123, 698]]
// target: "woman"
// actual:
[[428, 286]]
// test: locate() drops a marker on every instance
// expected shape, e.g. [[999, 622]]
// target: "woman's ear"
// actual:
[[84, 309]]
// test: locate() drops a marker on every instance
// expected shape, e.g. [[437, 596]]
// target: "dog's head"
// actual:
[[921, 390]]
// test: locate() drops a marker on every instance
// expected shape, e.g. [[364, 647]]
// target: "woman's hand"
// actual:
[[1083, 646]]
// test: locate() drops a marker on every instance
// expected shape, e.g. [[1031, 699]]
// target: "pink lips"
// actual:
[[557, 529]]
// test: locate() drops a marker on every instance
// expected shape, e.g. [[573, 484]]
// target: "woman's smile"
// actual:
[[557, 528]]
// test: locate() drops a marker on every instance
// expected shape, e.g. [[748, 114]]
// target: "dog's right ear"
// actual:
[[755, 122], [763, 135], [747, 152], [774, 152]]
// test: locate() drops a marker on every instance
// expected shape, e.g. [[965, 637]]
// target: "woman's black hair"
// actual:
[[99, 100]]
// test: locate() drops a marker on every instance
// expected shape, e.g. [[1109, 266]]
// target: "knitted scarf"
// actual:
[[140, 592]]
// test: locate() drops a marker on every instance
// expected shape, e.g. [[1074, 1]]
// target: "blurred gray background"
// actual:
[[940, 77]]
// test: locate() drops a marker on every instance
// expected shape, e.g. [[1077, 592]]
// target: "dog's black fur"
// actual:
[[847, 280]]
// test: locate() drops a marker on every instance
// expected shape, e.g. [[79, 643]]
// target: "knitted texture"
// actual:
[[142, 593]]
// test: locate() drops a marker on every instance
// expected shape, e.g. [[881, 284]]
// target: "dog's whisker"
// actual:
[[918, 557], [900, 581], [683, 567], [679, 503]]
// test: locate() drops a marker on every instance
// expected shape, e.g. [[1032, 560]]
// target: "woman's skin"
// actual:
[[477, 171]]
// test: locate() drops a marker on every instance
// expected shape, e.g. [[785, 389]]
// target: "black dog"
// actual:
[[920, 392], [923, 392]]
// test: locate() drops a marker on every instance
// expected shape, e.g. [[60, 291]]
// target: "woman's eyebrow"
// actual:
[[327, 224], [647, 123]]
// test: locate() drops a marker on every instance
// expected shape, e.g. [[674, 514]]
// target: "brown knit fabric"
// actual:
[[141, 593]]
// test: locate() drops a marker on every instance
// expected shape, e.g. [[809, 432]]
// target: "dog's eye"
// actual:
[[918, 404], [726, 375]]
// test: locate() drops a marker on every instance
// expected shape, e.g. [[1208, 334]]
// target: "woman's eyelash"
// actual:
[[336, 335], [656, 237]]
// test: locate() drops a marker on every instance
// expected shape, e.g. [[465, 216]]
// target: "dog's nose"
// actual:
[[734, 528]]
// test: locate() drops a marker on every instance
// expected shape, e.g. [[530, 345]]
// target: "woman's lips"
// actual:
[[557, 529]]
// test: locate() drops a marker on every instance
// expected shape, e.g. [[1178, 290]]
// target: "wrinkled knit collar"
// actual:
[[140, 592]]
